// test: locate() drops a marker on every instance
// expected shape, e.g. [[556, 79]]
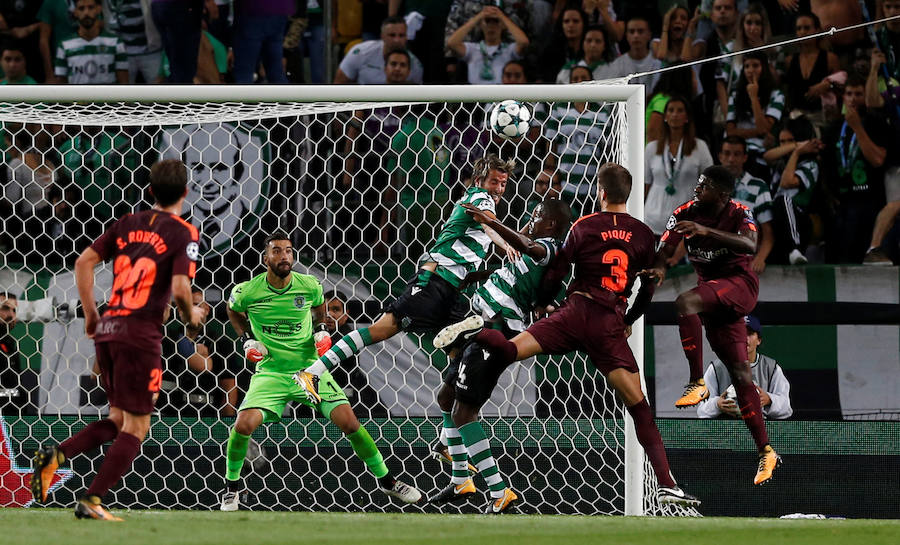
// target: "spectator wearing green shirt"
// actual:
[[12, 61]]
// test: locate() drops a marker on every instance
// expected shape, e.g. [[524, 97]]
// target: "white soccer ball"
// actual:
[[510, 119]]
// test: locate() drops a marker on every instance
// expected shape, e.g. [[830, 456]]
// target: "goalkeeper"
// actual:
[[275, 314]]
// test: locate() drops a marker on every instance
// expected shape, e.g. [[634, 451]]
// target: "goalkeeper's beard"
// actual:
[[282, 270]]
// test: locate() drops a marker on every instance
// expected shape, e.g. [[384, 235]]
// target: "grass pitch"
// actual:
[[58, 526]]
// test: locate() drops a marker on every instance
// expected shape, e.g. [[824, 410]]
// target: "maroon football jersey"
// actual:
[[608, 249], [710, 258], [146, 249]]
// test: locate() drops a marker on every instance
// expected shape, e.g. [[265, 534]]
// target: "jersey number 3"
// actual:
[[132, 283], [618, 271]]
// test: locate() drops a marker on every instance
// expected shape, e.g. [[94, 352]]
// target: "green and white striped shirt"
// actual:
[[578, 142], [462, 244], [755, 195], [90, 62], [127, 22], [774, 109], [807, 172], [512, 290]]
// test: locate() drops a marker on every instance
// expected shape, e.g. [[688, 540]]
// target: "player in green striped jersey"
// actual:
[[432, 299], [505, 301], [275, 313]]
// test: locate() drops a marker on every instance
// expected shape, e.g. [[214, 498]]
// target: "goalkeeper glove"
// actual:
[[254, 350], [322, 338]]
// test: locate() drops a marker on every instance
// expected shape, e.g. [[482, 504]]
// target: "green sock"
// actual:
[[350, 345], [479, 447], [458, 452], [365, 449], [235, 454]]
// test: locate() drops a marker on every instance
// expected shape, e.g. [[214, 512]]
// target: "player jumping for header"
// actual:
[[720, 237], [154, 255], [432, 299], [505, 302], [607, 248], [276, 313]]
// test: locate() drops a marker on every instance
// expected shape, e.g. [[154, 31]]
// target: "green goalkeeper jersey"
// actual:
[[462, 244], [281, 319]]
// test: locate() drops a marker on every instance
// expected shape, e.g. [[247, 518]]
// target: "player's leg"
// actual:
[[366, 450], [48, 458], [452, 452], [461, 484], [117, 462], [690, 304], [235, 454], [265, 400], [506, 351], [352, 343], [729, 341], [628, 386], [476, 380]]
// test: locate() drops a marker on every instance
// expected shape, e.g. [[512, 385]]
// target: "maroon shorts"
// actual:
[[591, 327], [726, 301], [131, 376]]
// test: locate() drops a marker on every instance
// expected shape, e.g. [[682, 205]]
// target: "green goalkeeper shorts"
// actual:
[[270, 392]]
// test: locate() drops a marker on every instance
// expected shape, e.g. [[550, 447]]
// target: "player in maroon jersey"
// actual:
[[608, 248], [720, 237], [154, 256]]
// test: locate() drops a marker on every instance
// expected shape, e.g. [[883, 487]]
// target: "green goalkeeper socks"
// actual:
[[457, 450], [479, 447], [365, 449], [235, 454], [350, 345]]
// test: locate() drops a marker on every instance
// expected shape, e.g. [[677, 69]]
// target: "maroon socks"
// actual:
[[90, 437], [691, 331], [117, 462], [501, 348], [649, 438], [751, 412]]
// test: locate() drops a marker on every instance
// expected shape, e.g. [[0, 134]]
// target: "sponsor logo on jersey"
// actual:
[[282, 328]]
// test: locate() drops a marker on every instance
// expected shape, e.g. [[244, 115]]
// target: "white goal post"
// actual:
[[291, 139]]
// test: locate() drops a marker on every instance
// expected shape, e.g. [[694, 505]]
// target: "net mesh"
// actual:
[[362, 188]]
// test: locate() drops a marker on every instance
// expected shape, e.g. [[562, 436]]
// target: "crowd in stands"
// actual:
[[808, 128]]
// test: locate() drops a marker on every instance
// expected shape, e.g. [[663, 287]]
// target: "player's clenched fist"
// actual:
[[254, 350]]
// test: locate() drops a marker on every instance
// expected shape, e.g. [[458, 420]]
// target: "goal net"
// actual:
[[362, 179]]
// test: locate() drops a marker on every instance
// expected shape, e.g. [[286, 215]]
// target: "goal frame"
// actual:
[[631, 95]]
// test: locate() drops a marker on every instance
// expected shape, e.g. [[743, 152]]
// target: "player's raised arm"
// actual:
[[516, 240]]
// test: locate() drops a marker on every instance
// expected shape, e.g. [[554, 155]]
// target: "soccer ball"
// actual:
[[509, 119]]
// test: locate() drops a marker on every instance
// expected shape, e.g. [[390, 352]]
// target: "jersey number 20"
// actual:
[[132, 283]]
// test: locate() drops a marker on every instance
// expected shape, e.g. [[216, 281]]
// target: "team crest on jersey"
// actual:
[[193, 251], [299, 301]]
